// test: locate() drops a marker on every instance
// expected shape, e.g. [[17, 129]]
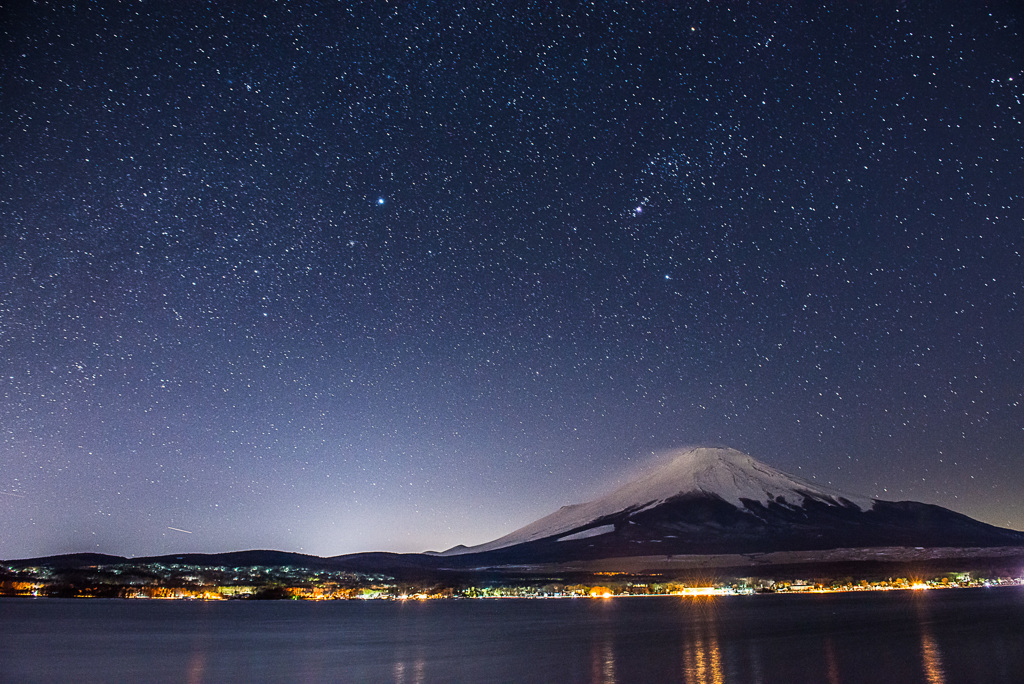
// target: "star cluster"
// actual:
[[340, 277]]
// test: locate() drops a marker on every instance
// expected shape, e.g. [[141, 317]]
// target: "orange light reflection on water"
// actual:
[[602, 662], [702, 655], [931, 658]]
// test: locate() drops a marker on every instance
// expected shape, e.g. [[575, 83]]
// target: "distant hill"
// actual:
[[67, 560], [251, 558]]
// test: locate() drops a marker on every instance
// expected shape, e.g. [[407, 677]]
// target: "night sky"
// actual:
[[336, 277]]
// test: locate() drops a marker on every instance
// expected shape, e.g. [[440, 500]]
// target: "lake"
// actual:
[[956, 635]]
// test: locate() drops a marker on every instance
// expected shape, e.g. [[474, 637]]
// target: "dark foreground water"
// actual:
[[972, 635]]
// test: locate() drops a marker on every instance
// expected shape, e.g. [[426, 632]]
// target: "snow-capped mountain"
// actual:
[[710, 500], [726, 474]]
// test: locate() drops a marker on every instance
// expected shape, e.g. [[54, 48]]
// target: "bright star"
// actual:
[[380, 201]]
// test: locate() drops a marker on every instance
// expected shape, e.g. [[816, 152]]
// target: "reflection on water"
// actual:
[[705, 662], [756, 668], [932, 661], [702, 657], [196, 667], [410, 670], [602, 660], [930, 656], [831, 664], [410, 673]]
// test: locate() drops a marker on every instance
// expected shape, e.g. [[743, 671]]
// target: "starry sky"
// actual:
[[334, 277]]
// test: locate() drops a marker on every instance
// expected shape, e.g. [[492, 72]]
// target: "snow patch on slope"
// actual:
[[726, 473], [590, 532]]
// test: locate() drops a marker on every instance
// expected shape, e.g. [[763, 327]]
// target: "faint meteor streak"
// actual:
[[178, 529], [20, 496]]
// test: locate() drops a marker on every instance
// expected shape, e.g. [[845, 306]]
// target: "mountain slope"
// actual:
[[722, 501]]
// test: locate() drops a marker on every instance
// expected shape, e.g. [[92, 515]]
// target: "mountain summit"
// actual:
[[730, 475], [710, 500]]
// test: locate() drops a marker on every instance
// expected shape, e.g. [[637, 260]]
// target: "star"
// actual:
[[504, 318]]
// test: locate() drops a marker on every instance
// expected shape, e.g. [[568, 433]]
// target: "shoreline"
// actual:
[[519, 592]]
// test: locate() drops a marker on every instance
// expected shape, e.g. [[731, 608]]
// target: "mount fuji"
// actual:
[[721, 501]]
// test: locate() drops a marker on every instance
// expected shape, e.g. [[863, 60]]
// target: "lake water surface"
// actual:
[[959, 635]]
